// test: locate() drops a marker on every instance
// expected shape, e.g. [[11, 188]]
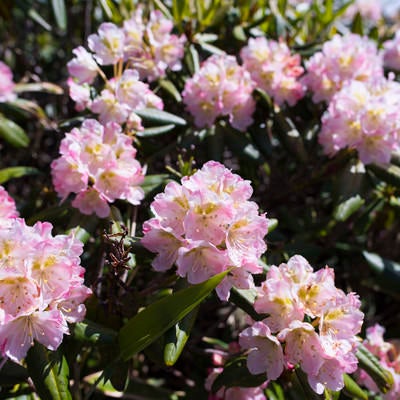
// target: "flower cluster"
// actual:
[[7, 206], [41, 287], [137, 51], [342, 59], [274, 69], [391, 53], [298, 301], [220, 88], [207, 225], [98, 164], [363, 116], [219, 358], [6, 83], [388, 354]]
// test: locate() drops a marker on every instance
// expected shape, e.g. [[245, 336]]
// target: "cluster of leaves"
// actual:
[[139, 321]]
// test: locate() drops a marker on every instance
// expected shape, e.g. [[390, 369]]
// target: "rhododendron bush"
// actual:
[[199, 200]]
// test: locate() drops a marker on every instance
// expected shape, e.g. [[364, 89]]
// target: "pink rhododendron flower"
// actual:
[[107, 44], [41, 287], [150, 48], [368, 9], [296, 301], [391, 52], [388, 354], [80, 94], [341, 60], [206, 225], [6, 83], [220, 88], [98, 164], [274, 69], [83, 67], [363, 116], [7, 205]]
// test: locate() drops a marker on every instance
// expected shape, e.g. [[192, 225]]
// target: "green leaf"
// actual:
[[357, 25], [272, 224], [388, 173], [89, 331], [244, 299], [154, 116], [155, 131], [46, 87], [110, 10], [171, 89], [49, 372], [352, 389], [12, 374], [370, 364], [177, 336], [236, 374], [147, 326], [39, 19], [13, 133], [60, 13], [348, 208], [16, 172], [387, 271]]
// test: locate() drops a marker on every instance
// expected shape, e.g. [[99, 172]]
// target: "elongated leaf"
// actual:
[[272, 224], [39, 19], [151, 182], [16, 172], [60, 13], [13, 133], [177, 336], [244, 299], [91, 332], [171, 89], [159, 117], [352, 389], [27, 108], [347, 208], [370, 364], [46, 87], [49, 372], [147, 326], [236, 374], [387, 271], [12, 374], [155, 131], [388, 173]]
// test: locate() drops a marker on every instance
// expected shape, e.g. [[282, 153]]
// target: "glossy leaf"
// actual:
[[147, 326], [60, 13], [46, 87], [154, 116], [49, 372], [347, 208], [16, 172], [13, 133], [176, 338], [236, 374], [388, 173], [352, 389], [155, 131], [89, 331], [370, 364]]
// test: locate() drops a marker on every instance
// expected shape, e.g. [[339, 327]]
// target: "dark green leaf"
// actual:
[[12, 374], [352, 389], [388, 173], [46, 87], [387, 271], [60, 13], [155, 116], [89, 331], [357, 24], [155, 131], [16, 172], [49, 372], [236, 374], [348, 208], [244, 299], [370, 364], [152, 182], [171, 89], [39, 19], [13, 133], [158, 317], [177, 336]]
